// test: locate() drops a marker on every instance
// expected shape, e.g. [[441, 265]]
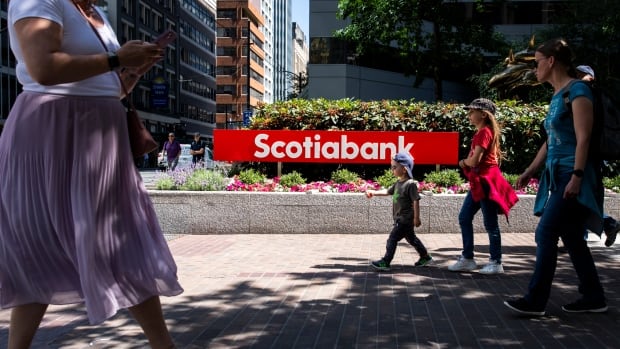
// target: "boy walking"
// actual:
[[405, 210]]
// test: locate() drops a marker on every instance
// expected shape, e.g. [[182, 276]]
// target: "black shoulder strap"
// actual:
[[566, 94]]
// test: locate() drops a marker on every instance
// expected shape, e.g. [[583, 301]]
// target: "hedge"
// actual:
[[520, 123]]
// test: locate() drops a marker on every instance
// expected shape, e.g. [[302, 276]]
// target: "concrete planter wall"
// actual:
[[183, 212]]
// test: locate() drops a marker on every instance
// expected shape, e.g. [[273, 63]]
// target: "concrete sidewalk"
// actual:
[[317, 291]]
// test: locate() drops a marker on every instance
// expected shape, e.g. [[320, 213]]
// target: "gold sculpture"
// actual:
[[519, 72]]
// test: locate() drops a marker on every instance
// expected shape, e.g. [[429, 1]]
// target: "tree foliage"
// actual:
[[520, 123], [433, 36], [593, 30]]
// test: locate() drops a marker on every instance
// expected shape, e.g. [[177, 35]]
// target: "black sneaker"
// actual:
[[524, 307], [582, 306], [611, 234], [424, 261], [380, 265]]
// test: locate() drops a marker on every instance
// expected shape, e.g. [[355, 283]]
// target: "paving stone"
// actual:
[[317, 291]]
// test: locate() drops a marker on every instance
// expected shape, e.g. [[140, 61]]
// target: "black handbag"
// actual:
[[140, 139]]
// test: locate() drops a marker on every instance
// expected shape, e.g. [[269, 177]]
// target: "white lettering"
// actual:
[[294, 150], [330, 150], [388, 146], [369, 151], [274, 149], [345, 146], [312, 148], [401, 145], [258, 143], [317, 147], [307, 148]]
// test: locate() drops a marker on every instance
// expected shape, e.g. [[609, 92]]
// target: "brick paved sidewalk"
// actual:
[[317, 291]]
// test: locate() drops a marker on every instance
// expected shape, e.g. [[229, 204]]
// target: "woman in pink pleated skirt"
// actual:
[[76, 223]]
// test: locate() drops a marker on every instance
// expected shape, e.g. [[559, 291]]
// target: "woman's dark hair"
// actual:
[[559, 49]]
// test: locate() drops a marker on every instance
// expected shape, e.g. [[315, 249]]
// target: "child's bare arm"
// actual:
[[416, 213], [370, 193]]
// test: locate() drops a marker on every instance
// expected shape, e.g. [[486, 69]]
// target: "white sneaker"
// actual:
[[492, 268], [463, 264]]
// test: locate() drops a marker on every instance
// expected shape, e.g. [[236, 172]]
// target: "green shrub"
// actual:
[[251, 176], [343, 176], [511, 178], [165, 183], [291, 179], [612, 184], [444, 178], [386, 179], [205, 180], [520, 123]]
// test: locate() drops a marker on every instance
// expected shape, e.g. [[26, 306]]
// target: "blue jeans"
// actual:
[[490, 219], [172, 163], [400, 231], [562, 218]]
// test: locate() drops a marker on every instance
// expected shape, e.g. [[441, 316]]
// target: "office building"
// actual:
[[9, 86], [240, 56], [299, 79], [178, 94]]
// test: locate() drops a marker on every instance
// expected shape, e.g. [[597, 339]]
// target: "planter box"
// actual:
[[220, 212]]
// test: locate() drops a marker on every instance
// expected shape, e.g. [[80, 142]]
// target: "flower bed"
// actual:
[[359, 186], [204, 180], [208, 202]]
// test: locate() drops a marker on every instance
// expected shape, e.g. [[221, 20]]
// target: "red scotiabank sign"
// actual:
[[372, 147]]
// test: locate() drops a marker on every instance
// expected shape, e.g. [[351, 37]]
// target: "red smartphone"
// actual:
[[165, 38]]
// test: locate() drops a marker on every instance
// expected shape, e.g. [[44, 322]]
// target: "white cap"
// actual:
[[586, 69]]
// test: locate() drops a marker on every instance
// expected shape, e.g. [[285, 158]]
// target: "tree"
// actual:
[[593, 44], [593, 31], [298, 81], [433, 37]]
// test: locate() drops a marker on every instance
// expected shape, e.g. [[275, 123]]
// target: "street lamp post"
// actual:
[[248, 106], [228, 121]]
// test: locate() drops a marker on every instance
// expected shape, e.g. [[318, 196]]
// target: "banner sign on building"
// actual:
[[247, 115], [159, 92], [371, 147]]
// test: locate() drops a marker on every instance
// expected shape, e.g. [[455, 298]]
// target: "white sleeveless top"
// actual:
[[78, 39]]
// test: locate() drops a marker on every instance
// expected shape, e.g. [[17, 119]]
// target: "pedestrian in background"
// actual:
[[197, 149], [585, 73], [570, 195], [76, 223], [489, 190], [145, 161], [172, 152], [405, 212], [610, 224]]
